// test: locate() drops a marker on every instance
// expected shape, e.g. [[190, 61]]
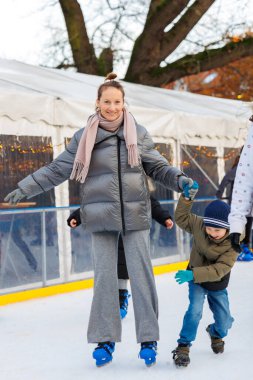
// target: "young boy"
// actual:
[[211, 260]]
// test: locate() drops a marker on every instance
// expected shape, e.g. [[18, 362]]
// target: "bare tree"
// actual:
[[167, 25]]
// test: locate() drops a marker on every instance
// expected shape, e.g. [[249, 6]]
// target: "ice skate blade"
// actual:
[[150, 365], [181, 366], [103, 364]]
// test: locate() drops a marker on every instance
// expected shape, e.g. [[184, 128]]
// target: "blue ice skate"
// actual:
[[246, 254], [123, 302], [148, 353], [103, 353]]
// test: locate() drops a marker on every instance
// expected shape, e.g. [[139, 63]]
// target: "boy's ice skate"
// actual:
[[181, 356], [217, 344], [103, 353], [123, 302], [148, 353]]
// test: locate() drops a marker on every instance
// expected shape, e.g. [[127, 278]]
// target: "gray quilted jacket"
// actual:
[[114, 197]]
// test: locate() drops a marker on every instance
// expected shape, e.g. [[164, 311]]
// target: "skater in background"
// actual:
[[242, 197], [161, 216], [211, 260], [111, 157], [16, 234], [227, 184]]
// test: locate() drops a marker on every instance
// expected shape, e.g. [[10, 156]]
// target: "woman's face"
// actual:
[[111, 103]]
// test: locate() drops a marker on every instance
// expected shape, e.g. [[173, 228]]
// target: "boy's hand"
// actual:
[[183, 276], [184, 181], [169, 224], [235, 241], [73, 223], [191, 191]]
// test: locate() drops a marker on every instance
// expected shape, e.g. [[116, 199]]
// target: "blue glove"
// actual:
[[183, 276], [184, 181], [190, 191]]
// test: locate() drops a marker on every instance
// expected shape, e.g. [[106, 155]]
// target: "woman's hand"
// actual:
[[15, 196]]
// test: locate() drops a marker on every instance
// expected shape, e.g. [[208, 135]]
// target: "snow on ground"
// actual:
[[46, 338]]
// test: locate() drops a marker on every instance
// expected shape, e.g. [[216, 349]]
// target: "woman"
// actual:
[[242, 197], [228, 184], [110, 158], [161, 216]]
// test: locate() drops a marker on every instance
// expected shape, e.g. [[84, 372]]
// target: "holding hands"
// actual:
[[183, 276], [235, 241], [189, 187]]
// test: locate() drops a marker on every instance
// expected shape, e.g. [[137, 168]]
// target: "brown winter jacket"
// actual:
[[210, 260]]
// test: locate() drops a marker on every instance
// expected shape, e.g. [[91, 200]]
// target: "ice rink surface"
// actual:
[[45, 339]]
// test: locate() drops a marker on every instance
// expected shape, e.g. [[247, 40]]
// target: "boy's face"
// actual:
[[216, 233]]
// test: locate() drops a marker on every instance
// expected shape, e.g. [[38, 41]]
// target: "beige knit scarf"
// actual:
[[88, 138]]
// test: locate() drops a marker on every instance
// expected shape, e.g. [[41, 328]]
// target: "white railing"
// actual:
[[37, 248]]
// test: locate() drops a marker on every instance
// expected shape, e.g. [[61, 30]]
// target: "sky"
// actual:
[[20, 30], [24, 32], [45, 339]]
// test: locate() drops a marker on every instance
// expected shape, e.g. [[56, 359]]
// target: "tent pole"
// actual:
[[200, 168], [177, 159]]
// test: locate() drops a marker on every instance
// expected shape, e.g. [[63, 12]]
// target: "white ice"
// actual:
[[45, 339]]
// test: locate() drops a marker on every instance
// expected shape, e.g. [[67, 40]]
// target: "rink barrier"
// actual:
[[74, 286]]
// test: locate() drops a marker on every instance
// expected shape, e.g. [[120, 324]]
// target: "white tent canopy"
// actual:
[[38, 104], [50, 98]]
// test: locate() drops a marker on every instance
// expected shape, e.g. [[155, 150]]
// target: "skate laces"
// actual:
[[151, 345], [107, 346]]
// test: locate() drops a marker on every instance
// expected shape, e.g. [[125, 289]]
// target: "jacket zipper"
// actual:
[[120, 188]]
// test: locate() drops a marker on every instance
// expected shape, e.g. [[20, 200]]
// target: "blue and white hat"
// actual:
[[216, 215]]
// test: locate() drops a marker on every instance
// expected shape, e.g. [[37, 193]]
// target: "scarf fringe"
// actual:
[[83, 155], [133, 157], [79, 172]]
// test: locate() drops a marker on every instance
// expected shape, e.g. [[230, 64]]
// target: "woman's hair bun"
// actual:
[[111, 76]]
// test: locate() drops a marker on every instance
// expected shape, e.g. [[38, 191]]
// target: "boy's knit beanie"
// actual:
[[216, 214]]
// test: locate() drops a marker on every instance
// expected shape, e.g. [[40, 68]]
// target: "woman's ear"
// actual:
[[97, 106]]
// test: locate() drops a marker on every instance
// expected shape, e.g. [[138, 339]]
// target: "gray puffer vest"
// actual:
[[114, 196]]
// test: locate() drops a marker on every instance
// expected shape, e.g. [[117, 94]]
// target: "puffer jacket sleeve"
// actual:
[[184, 218], [75, 215], [157, 167], [51, 175], [242, 197], [228, 179], [158, 213], [216, 271]]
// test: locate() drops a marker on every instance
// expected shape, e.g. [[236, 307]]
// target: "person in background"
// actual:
[[161, 216], [111, 158], [211, 260], [242, 197], [17, 238], [227, 184]]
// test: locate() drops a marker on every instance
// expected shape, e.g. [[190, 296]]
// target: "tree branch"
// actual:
[[154, 45], [183, 27], [194, 64], [83, 52], [160, 14]]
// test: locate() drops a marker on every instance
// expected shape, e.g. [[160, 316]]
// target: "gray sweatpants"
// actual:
[[105, 322]]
